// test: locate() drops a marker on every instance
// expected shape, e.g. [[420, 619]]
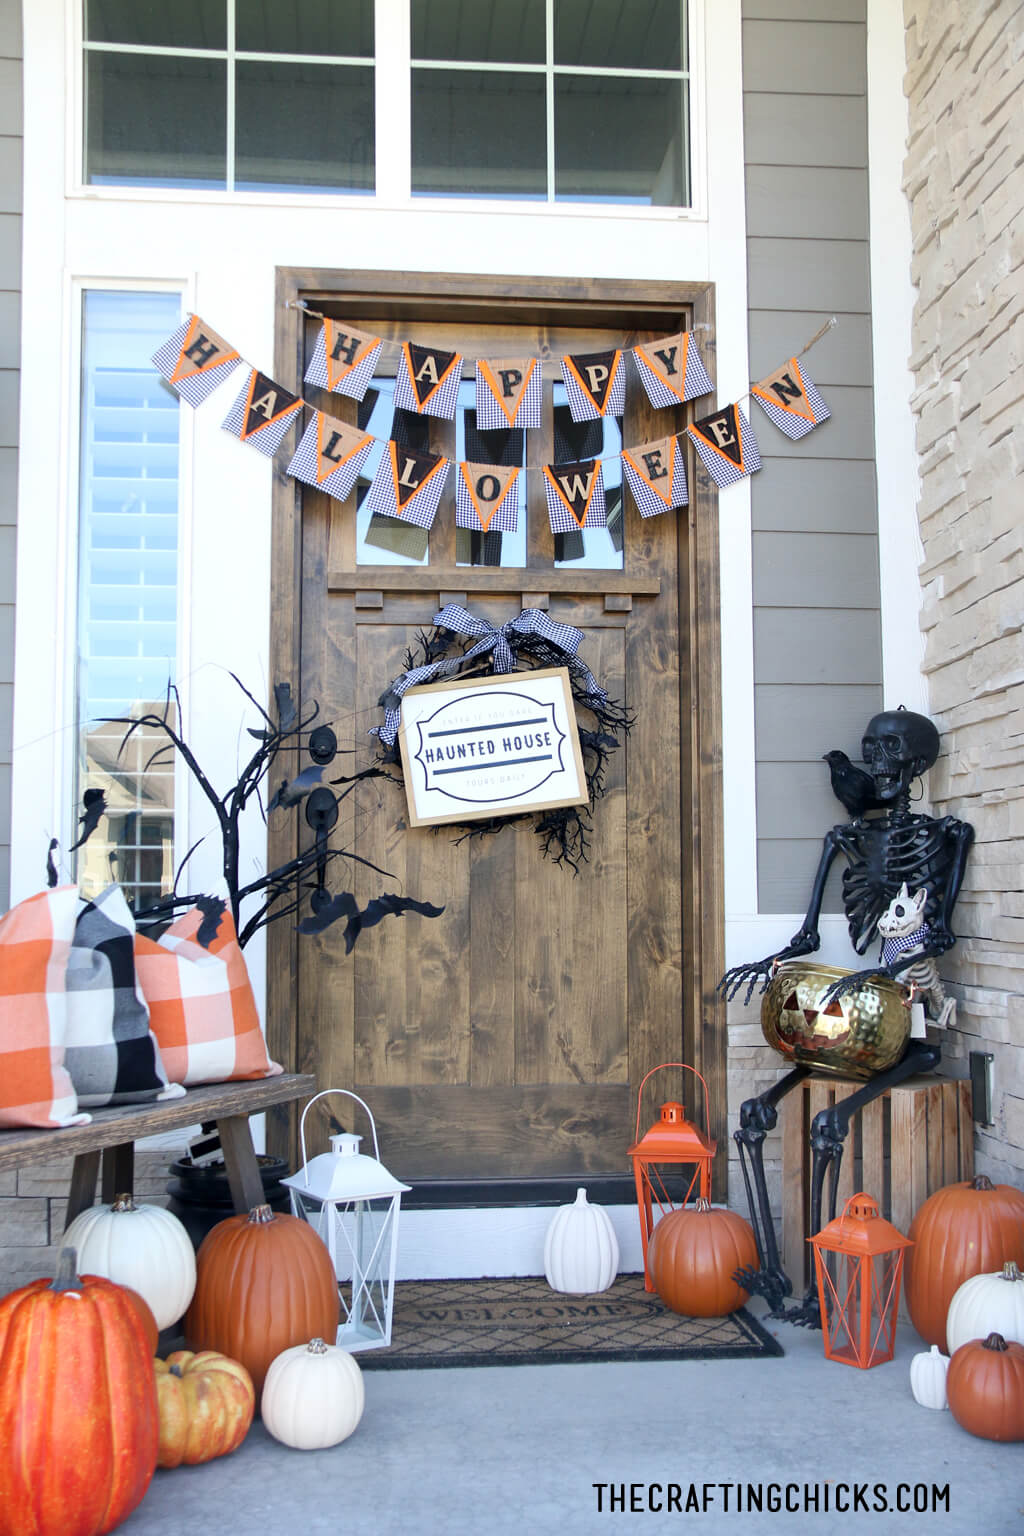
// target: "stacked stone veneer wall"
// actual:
[[964, 178]]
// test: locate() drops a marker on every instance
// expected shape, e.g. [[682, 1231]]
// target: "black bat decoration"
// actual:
[[51, 868], [212, 908], [94, 805], [291, 791], [287, 714], [345, 905]]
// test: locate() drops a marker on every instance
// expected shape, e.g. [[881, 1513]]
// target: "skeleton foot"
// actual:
[[773, 1284]]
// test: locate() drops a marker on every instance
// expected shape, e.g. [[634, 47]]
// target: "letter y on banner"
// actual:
[[195, 360], [672, 370]]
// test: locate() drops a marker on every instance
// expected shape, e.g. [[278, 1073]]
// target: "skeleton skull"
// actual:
[[897, 746]]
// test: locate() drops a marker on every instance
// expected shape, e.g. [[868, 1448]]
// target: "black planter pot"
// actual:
[[201, 1196]]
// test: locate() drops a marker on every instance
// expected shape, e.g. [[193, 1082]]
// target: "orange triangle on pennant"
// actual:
[[265, 402], [666, 360], [596, 390], [572, 488], [417, 469], [655, 464], [336, 442], [728, 444], [345, 348], [428, 368], [201, 350], [509, 393], [785, 390], [472, 478]]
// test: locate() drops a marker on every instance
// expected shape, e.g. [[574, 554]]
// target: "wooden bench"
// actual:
[[110, 1139]]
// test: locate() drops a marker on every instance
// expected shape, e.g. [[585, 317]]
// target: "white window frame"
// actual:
[[70, 525], [393, 111]]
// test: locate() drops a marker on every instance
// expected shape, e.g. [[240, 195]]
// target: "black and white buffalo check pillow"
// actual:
[[109, 1050]]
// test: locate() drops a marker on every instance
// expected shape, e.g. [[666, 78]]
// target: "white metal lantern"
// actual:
[[352, 1202]]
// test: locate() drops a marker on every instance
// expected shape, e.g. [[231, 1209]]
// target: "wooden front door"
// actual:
[[505, 1041]]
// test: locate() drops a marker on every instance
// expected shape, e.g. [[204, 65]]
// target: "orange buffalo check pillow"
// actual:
[[201, 1007], [35, 941]]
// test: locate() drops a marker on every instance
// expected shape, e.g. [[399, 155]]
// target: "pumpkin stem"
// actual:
[[995, 1341], [702, 1205], [260, 1215], [982, 1181], [1011, 1272], [66, 1278], [316, 1347], [123, 1203]]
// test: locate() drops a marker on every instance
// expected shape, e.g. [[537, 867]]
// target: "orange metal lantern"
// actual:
[[672, 1139], [858, 1259]]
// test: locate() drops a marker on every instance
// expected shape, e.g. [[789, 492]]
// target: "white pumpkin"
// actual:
[[313, 1396], [142, 1246], [581, 1251], [928, 1378], [991, 1303]]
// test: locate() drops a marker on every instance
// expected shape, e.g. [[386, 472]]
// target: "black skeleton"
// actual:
[[883, 851]]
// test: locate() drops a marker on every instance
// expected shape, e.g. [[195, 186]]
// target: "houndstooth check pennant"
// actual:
[[575, 496], [490, 639], [487, 497], [672, 370], [727, 446], [595, 384], [330, 455], [263, 413], [343, 359], [408, 484], [656, 473], [508, 394], [194, 360], [788, 397], [428, 381]]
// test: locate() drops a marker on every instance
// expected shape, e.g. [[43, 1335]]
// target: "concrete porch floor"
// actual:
[[519, 1449]]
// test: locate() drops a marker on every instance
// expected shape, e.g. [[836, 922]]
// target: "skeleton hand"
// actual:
[[852, 982], [805, 942]]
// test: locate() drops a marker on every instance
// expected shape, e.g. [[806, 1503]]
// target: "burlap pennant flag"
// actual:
[[595, 383], [408, 484], [789, 398], [343, 359], [263, 413], [672, 370], [487, 497], [508, 393], [428, 381], [330, 455], [727, 446], [195, 360], [656, 474], [575, 495]]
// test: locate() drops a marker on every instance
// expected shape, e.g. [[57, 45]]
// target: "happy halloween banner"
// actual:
[[409, 481]]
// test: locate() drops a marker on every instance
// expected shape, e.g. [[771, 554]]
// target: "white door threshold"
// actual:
[[465, 1243]]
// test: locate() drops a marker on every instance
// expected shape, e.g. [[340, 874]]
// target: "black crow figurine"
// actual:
[[852, 786]]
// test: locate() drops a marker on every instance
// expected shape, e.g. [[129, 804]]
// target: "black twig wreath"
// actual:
[[532, 641]]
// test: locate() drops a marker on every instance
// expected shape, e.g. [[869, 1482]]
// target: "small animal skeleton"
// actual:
[[903, 931]]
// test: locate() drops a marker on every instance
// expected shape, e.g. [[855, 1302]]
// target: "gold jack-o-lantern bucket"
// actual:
[[861, 1033]]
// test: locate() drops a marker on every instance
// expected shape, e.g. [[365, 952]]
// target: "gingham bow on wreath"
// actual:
[[501, 641]]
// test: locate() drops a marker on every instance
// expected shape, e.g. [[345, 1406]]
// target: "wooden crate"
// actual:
[[901, 1148]]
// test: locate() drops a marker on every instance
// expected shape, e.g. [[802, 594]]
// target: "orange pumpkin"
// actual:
[[78, 1416], [962, 1230], [985, 1388], [693, 1255], [263, 1283], [206, 1403]]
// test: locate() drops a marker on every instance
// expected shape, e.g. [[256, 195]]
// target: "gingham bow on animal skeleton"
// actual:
[[490, 638]]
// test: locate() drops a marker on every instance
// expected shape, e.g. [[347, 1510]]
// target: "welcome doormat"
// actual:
[[522, 1321]]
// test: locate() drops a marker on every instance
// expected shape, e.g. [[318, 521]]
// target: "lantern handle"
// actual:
[[686, 1066], [323, 1094]]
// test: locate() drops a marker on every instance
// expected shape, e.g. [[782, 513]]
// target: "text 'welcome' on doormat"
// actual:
[[522, 1321]]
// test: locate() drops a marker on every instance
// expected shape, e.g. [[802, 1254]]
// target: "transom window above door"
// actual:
[[557, 101]]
